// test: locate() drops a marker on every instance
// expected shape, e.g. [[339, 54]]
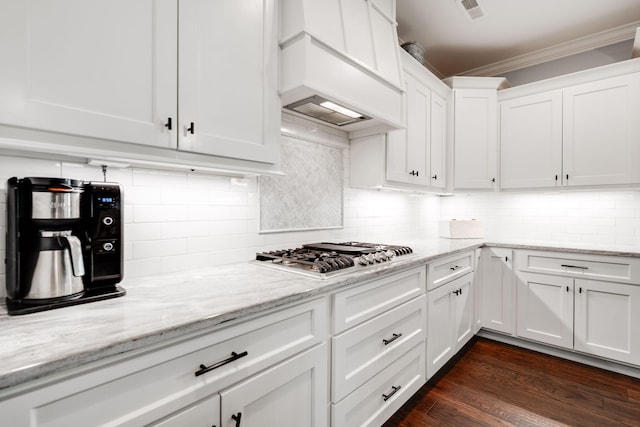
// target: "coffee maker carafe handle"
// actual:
[[75, 250]]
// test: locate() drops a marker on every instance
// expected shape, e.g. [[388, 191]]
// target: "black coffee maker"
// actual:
[[63, 243]]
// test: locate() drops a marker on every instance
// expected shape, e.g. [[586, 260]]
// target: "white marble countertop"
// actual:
[[162, 307]]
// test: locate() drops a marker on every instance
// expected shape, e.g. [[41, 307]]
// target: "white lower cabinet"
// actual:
[[497, 290], [569, 308], [607, 320], [284, 395], [291, 394], [365, 350], [203, 413], [272, 360], [375, 401], [450, 321], [545, 309], [378, 347]]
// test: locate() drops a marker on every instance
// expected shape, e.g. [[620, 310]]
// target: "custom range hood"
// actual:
[[340, 63]]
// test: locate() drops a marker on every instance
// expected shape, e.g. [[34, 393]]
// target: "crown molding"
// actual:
[[583, 44]]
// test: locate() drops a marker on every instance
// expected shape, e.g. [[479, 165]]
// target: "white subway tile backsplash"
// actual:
[[174, 230], [142, 231], [144, 177], [209, 213], [604, 217], [135, 195], [172, 264], [142, 267], [207, 243], [159, 248]]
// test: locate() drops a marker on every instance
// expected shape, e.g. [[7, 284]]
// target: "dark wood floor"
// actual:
[[495, 384]]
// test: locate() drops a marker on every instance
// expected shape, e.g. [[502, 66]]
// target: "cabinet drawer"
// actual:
[[356, 305], [142, 389], [600, 267], [205, 412], [397, 383], [444, 270], [360, 353]]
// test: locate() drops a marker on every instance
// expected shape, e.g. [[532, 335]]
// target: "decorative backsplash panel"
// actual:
[[310, 196]]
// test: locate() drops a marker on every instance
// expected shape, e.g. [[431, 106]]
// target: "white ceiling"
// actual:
[[513, 33]]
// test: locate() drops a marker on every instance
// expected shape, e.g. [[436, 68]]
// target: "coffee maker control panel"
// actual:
[[105, 263]]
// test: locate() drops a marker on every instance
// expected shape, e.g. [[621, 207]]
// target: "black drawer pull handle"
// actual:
[[394, 390], [192, 128], [234, 356], [168, 125], [456, 267], [237, 418], [574, 266], [392, 339]]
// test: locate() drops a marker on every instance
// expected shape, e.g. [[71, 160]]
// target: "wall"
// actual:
[[581, 61], [590, 217], [176, 221]]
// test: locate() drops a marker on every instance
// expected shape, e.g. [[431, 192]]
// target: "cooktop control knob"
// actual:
[[390, 254], [380, 257]]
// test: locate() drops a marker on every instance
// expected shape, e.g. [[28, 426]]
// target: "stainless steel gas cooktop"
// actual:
[[324, 260]]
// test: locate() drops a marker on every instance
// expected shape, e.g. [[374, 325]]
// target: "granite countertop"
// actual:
[[159, 308]]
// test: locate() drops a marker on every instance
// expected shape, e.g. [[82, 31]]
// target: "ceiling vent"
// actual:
[[471, 9]]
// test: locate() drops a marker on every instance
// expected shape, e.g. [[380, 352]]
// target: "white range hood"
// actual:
[[340, 63]]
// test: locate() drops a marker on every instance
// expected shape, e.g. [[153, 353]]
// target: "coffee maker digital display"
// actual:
[[63, 243]]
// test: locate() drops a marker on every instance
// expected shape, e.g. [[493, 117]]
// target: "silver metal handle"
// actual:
[[75, 250]]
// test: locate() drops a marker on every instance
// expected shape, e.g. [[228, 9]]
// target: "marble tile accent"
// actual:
[[310, 196]]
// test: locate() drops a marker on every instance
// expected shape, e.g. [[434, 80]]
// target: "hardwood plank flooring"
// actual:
[[496, 384]]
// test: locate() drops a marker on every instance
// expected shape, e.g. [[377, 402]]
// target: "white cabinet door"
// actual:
[[397, 156], [90, 68], [531, 141], [545, 309], [418, 106], [407, 149], [204, 413], [497, 290], [228, 102], [291, 394], [475, 138], [602, 132], [440, 341], [449, 321], [607, 320], [463, 310], [438, 142]]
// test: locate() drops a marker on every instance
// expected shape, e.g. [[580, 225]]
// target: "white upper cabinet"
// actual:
[[228, 101], [113, 74], [582, 132], [91, 68], [415, 157], [438, 140], [601, 138], [531, 141], [475, 131], [407, 150]]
